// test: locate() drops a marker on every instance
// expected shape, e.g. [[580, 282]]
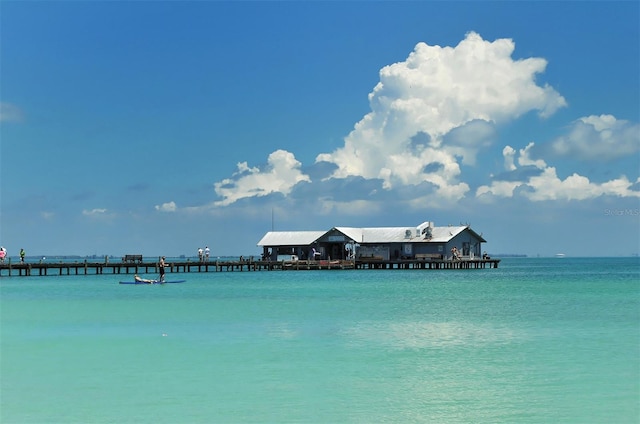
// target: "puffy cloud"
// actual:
[[434, 93], [525, 157], [167, 207], [499, 188], [99, 214], [598, 138], [430, 115], [544, 184], [94, 212], [280, 175], [509, 154], [548, 186]]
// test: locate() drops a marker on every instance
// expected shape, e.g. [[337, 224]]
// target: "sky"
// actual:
[[156, 128]]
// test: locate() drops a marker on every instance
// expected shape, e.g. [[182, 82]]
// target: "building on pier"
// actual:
[[425, 241]]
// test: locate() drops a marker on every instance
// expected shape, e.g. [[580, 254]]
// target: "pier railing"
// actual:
[[87, 267]]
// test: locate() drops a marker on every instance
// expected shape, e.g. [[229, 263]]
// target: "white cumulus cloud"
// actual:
[[167, 207], [430, 116], [509, 154], [546, 185], [525, 157], [598, 138], [281, 173], [434, 91]]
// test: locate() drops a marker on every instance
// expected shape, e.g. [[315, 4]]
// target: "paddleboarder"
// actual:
[[162, 265], [142, 280]]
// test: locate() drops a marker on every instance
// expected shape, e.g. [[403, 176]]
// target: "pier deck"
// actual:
[[187, 266]]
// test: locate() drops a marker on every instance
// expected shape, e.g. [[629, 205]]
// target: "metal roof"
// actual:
[[290, 238], [368, 235], [401, 234]]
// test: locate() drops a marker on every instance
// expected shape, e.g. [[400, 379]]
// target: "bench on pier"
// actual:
[[430, 256], [132, 259]]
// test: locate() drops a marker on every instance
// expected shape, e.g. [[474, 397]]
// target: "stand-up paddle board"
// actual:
[[155, 282]]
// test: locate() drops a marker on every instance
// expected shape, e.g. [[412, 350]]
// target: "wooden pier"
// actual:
[[8, 269]]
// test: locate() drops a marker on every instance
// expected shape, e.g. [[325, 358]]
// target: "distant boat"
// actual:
[[560, 255]]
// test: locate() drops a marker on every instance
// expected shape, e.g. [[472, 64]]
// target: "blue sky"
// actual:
[[161, 127]]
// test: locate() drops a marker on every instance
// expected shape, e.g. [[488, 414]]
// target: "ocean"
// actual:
[[538, 340]]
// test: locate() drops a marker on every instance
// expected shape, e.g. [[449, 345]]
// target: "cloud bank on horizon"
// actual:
[[434, 113]]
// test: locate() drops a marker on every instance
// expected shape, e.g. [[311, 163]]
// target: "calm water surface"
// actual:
[[535, 341]]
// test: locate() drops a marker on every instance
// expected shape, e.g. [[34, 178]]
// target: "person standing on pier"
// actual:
[[22, 255], [200, 254], [206, 253], [3, 253], [161, 265]]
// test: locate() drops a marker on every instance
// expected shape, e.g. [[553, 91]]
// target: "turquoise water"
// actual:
[[535, 341]]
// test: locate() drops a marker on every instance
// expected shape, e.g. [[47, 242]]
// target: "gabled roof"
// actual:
[[444, 234], [368, 235], [402, 234], [290, 238]]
